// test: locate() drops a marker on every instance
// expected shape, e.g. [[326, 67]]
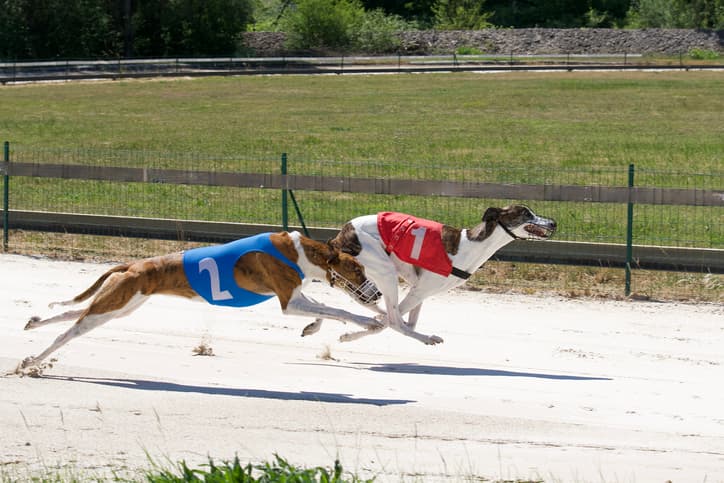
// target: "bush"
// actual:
[[703, 54], [322, 24], [378, 33]]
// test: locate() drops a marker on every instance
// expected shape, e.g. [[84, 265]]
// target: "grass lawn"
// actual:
[[662, 120]]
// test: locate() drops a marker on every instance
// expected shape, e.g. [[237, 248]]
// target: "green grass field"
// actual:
[[662, 121]]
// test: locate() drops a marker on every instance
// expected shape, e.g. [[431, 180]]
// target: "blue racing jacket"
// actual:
[[210, 270]]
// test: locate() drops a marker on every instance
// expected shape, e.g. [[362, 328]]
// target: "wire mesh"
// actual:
[[685, 226]]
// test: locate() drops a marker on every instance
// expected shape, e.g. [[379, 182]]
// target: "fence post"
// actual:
[[629, 232], [6, 195], [285, 215]]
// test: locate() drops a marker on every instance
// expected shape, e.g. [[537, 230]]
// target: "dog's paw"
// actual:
[[31, 368], [433, 340], [312, 328], [348, 337], [32, 323]]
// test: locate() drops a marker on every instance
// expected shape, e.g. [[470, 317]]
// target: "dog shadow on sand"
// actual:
[[411, 368], [146, 385]]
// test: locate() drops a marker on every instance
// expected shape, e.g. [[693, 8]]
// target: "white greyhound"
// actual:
[[430, 256]]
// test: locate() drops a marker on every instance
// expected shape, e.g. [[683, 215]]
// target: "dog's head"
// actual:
[[346, 273], [520, 222]]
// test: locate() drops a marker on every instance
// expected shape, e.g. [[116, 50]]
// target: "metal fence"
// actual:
[[74, 69], [607, 217]]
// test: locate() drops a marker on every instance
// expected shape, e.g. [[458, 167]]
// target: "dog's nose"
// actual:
[[554, 225]]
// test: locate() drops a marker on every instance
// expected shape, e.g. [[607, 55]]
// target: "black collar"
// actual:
[[460, 273]]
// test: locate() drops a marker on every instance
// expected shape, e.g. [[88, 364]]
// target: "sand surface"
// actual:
[[523, 387]]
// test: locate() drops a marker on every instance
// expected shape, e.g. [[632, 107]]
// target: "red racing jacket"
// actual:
[[414, 240]]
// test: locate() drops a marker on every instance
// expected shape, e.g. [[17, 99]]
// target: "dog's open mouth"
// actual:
[[538, 231]]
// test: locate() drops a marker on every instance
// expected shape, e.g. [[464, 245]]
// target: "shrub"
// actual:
[[322, 24], [703, 54], [378, 32]]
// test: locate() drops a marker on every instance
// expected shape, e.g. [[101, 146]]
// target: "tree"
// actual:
[[46, 29], [189, 27], [557, 13], [418, 11]]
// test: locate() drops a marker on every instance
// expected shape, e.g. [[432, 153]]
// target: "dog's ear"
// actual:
[[491, 214]]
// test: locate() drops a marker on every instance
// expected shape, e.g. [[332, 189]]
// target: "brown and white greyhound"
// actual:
[[430, 256], [241, 273]]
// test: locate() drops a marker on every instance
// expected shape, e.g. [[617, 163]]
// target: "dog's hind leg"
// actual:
[[36, 321], [94, 316], [352, 336]]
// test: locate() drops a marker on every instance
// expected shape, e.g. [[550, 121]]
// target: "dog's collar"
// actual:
[[460, 273]]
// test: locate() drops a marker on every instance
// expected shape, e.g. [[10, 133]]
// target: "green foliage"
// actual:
[[267, 14], [461, 15], [378, 32], [341, 26], [703, 54], [464, 50], [278, 471], [419, 12], [189, 27], [322, 24], [676, 14], [47, 29], [557, 13]]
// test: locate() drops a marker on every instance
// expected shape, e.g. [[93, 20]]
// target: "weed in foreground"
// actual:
[[270, 472]]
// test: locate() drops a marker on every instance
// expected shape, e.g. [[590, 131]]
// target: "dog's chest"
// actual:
[[414, 240]]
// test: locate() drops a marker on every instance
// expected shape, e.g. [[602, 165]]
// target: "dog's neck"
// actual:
[[311, 269], [472, 254]]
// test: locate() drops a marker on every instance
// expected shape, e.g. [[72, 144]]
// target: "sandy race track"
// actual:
[[522, 387]]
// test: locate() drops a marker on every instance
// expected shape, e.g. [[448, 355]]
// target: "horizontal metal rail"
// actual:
[[554, 252], [143, 68], [345, 184]]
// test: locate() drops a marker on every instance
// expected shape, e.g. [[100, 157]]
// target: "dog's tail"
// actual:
[[93, 288]]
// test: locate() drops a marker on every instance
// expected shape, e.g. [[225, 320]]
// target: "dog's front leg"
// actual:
[[300, 305]]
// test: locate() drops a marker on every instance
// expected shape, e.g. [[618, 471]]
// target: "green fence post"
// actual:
[[6, 195], [285, 214], [629, 232]]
